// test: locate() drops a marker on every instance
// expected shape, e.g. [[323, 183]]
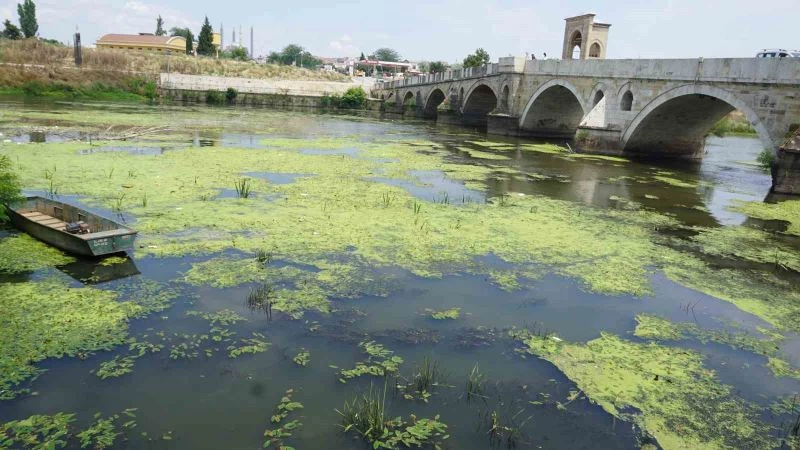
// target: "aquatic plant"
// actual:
[[366, 415], [260, 299], [249, 346], [422, 383], [116, 367], [475, 381], [670, 388], [446, 314], [380, 362], [505, 431], [22, 253], [264, 256], [37, 432], [243, 187], [118, 202], [60, 320], [286, 406], [302, 358]]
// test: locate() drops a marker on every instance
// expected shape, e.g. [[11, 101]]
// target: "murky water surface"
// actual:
[[214, 401]]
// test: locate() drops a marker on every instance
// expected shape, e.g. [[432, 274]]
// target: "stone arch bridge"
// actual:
[[646, 108]]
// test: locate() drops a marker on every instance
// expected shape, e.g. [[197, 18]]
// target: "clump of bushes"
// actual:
[[353, 98], [9, 186], [230, 95], [214, 97]]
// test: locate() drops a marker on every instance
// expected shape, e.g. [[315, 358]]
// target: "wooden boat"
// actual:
[[69, 228]]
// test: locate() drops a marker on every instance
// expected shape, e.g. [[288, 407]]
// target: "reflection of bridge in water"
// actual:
[[650, 108]]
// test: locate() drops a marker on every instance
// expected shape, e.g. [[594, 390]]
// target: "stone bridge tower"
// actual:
[[591, 39]]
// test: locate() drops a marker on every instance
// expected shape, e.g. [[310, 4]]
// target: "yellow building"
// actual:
[[142, 42]]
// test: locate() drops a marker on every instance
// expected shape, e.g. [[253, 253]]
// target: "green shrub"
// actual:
[[231, 94], [214, 97], [9, 186], [354, 98], [33, 88], [766, 159]]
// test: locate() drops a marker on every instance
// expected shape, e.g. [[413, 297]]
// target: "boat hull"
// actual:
[[94, 244]]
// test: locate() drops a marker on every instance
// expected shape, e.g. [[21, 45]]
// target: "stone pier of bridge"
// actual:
[[647, 108]]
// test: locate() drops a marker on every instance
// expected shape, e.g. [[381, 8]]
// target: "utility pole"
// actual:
[[252, 55], [78, 55]]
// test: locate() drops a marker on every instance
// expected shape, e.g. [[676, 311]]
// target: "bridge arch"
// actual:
[[479, 102], [555, 110], [676, 122], [435, 98]]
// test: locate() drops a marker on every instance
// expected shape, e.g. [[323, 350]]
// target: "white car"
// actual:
[[778, 53]]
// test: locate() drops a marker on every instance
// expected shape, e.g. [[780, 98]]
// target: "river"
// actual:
[[361, 229]]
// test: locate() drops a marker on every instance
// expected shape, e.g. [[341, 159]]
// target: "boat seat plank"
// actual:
[[32, 213]]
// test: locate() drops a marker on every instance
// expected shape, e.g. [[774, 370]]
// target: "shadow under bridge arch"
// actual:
[[480, 101], [554, 110], [675, 124]]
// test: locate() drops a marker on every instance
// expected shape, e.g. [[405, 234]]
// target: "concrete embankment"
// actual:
[[257, 92]]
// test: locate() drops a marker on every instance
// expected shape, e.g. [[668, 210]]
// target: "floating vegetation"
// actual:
[[658, 329], [116, 367], [22, 253], [286, 407], [788, 210], [224, 317], [47, 319], [681, 403], [302, 358], [380, 362], [249, 346], [113, 260], [366, 416], [674, 181], [41, 432], [446, 314]]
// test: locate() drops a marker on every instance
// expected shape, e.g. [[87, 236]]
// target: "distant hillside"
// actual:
[[33, 67]]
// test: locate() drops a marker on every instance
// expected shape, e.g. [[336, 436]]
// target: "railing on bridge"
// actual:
[[733, 70]]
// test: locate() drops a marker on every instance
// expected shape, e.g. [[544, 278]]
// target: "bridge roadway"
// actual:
[[640, 107]]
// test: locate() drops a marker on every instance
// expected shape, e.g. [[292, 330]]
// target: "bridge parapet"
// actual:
[[727, 70]]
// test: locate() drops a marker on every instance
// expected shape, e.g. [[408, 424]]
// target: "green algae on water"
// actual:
[[788, 210], [47, 319], [446, 314], [680, 402], [22, 253]]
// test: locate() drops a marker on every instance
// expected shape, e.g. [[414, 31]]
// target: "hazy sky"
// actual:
[[444, 30]]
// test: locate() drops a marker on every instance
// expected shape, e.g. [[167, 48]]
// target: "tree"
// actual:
[[27, 18], [437, 67], [361, 58], [477, 59], [294, 54], [9, 185], [160, 31], [11, 31], [189, 42], [238, 53], [205, 42], [387, 54]]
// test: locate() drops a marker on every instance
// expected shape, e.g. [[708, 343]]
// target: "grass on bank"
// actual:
[[34, 68], [734, 124]]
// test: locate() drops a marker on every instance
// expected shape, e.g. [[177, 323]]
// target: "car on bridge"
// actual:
[[778, 53]]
